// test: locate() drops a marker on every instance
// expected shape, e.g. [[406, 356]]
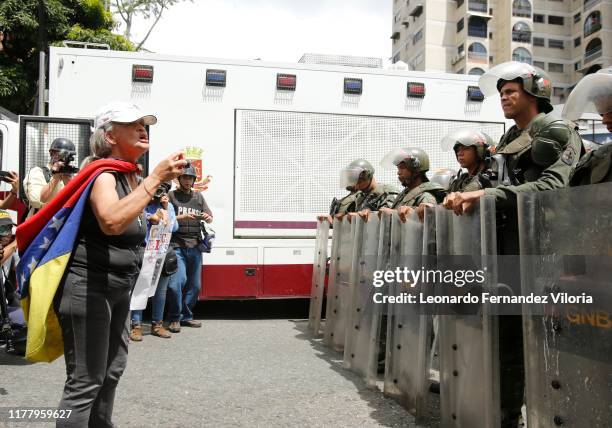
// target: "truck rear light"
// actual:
[[474, 94], [286, 82], [142, 73], [216, 77], [416, 90], [353, 86]]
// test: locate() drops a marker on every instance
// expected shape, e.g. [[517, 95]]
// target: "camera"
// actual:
[[163, 189], [67, 157], [4, 175]]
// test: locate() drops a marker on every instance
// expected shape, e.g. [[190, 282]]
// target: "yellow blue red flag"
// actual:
[[45, 243]]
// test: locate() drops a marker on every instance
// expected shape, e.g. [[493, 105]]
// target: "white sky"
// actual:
[[273, 30]]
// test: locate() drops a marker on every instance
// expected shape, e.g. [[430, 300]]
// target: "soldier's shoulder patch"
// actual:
[[569, 155]]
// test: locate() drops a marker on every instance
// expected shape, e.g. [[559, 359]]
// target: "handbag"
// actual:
[[206, 239], [170, 263]]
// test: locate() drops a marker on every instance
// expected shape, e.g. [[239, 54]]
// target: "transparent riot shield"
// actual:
[[339, 287], [409, 323], [469, 381], [319, 268], [566, 251], [362, 333]]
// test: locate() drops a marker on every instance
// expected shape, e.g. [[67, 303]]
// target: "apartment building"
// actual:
[[567, 38]]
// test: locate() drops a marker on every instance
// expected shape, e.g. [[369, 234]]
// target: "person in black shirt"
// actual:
[[190, 208]]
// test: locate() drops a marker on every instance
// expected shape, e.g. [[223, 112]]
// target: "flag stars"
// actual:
[[32, 265], [57, 223], [45, 244]]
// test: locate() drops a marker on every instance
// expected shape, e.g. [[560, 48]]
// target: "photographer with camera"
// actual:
[[184, 287], [159, 210], [41, 184]]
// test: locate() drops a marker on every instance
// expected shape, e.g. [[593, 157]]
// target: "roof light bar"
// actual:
[[416, 90], [142, 73], [475, 94], [353, 86], [286, 82], [216, 78]]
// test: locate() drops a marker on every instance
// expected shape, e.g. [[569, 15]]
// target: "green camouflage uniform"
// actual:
[[347, 204], [541, 157], [428, 193], [464, 182], [594, 167], [380, 197]]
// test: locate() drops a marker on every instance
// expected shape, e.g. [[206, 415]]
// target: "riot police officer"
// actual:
[[593, 94], [540, 151], [443, 177], [412, 165], [471, 149]]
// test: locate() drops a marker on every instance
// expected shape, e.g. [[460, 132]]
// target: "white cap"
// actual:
[[122, 112]]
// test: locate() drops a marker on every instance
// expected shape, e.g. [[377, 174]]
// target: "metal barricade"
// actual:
[[339, 287], [409, 324], [318, 277], [469, 372], [363, 330], [566, 248]]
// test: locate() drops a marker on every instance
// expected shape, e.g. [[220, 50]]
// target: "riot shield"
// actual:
[[467, 333], [362, 337], [339, 287], [566, 248], [409, 324], [318, 277]]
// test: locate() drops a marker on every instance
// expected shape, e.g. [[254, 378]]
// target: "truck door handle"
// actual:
[[250, 271]]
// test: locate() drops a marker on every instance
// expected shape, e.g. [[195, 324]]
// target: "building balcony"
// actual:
[[477, 32], [521, 36], [592, 54], [477, 6], [592, 29], [590, 3], [521, 12], [478, 57]]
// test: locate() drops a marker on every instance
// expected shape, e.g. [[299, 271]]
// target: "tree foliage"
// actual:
[[28, 27], [150, 10]]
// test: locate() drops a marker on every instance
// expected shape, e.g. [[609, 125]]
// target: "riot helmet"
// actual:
[[534, 80], [62, 144], [593, 94], [443, 177], [468, 138], [190, 171], [360, 170], [414, 159]]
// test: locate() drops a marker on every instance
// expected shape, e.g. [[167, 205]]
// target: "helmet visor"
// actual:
[[349, 177], [397, 156], [506, 71], [593, 94]]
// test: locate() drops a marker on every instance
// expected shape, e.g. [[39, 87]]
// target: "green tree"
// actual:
[[151, 10], [28, 27]]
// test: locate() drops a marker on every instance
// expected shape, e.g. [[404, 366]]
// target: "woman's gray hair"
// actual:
[[98, 144]]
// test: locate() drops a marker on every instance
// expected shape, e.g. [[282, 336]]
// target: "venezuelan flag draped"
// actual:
[[45, 242]]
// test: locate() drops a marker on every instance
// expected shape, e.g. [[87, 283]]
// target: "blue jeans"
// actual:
[[159, 301], [188, 277]]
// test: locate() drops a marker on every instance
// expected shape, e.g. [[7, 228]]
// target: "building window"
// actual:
[[538, 41], [459, 3], [521, 55], [477, 27], [476, 71], [555, 20], [477, 5], [539, 64], [558, 92], [417, 36], [477, 52], [460, 25], [593, 50], [577, 17], [521, 8], [592, 23], [418, 59], [460, 49], [521, 32], [538, 18], [555, 68], [556, 44], [577, 65], [577, 41]]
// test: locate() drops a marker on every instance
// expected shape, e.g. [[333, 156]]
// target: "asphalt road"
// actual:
[[251, 364]]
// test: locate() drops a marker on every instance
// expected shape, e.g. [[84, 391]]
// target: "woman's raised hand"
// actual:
[[171, 167]]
